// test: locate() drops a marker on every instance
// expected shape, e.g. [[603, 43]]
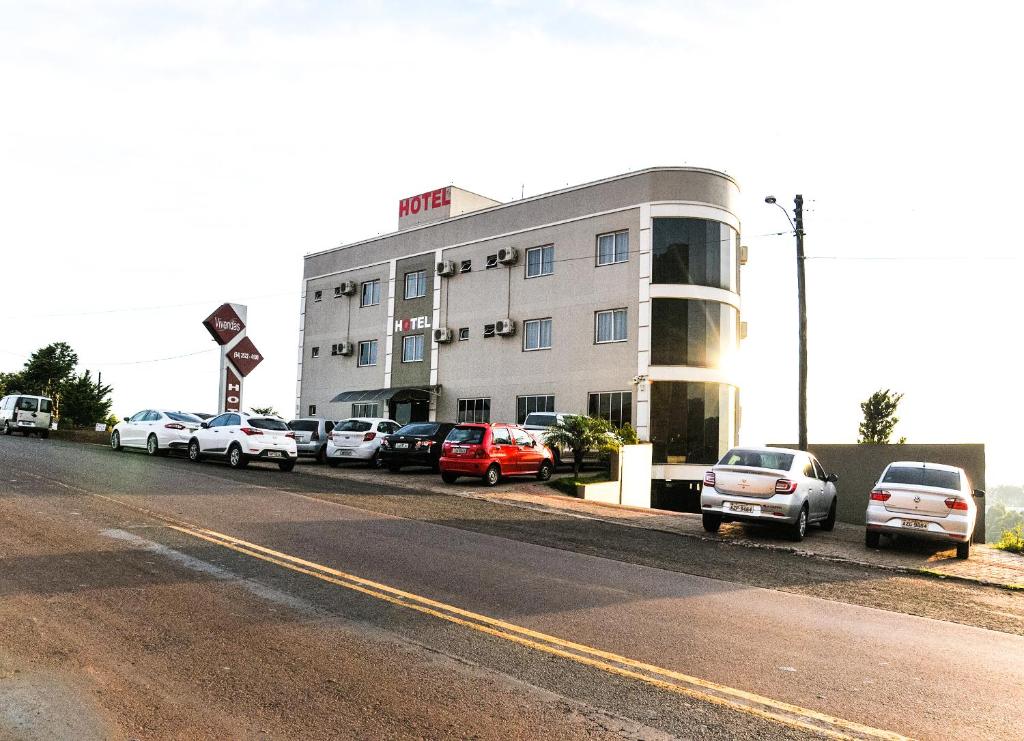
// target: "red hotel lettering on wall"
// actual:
[[232, 392], [425, 202]]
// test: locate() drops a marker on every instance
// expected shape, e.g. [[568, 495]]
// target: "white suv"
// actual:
[[358, 439], [239, 438]]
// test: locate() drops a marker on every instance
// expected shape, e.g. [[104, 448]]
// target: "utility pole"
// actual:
[[798, 212]]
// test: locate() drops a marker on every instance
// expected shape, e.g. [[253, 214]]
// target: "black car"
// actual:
[[416, 444]]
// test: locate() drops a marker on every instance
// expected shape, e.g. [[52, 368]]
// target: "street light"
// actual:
[[798, 230]]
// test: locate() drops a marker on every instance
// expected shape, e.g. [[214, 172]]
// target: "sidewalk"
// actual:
[[986, 565]]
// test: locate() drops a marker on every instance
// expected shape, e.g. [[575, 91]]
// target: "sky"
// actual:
[[159, 159]]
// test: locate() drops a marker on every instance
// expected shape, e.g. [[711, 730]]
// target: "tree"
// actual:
[[879, 417], [580, 434], [84, 402], [265, 411], [47, 369]]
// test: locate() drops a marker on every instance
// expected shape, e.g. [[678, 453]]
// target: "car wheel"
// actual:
[[829, 522], [7, 427], [152, 445], [375, 461], [321, 455], [115, 440], [449, 478], [236, 458], [711, 522], [44, 434], [872, 540], [799, 528], [492, 476], [963, 550], [194, 454], [545, 471], [286, 465]]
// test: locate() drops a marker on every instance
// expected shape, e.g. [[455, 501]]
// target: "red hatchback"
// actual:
[[491, 451]]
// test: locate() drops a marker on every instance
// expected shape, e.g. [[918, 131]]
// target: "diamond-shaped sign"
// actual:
[[245, 356], [224, 324]]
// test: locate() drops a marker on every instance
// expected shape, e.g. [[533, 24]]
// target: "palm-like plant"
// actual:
[[580, 434]]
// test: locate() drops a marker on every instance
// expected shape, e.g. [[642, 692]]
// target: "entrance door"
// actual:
[[404, 412]]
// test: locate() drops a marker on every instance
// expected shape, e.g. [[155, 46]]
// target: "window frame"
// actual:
[[613, 396], [540, 334], [551, 263], [421, 343], [318, 296], [420, 277], [312, 410], [462, 407], [372, 406], [614, 261], [374, 284], [525, 399], [315, 353], [359, 353], [463, 334], [597, 326]]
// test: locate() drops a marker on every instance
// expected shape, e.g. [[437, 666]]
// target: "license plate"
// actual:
[[749, 509], [401, 446], [344, 452], [915, 524], [459, 450], [275, 454]]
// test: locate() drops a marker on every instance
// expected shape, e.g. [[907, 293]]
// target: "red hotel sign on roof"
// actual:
[[224, 325], [425, 202], [245, 356]]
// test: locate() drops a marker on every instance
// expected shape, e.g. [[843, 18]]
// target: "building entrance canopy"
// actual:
[[400, 393]]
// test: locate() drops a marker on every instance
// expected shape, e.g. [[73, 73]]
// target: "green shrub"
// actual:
[[1012, 540], [567, 485]]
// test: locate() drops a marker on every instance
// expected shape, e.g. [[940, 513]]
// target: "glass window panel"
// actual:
[[685, 418], [620, 325], [621, 246], [548, 260], [605, 249], [694, 251], [690, 332]]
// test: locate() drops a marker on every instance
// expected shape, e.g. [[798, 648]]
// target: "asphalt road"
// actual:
[[156, 598]]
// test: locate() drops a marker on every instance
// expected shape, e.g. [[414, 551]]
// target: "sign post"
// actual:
[[238, 357]]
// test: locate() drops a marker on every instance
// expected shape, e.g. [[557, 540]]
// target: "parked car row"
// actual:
[[791, 488]]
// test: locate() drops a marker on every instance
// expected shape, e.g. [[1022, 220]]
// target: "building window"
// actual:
[[492, 261], [317, 295], [416, 284], [365, 409], [692, 332], [613, 248], [474, 410], [537, 334], [614, 406], [337, 292], [697, 252], [412, 348], [534, 403], [371, 293], [312, 410], [367, 353], [463, 333], [316, 352], [488, 330], [540, 261], [467, 266], [685, 420], [610, 326]]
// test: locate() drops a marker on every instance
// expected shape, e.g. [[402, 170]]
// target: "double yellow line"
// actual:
[[665, 679]]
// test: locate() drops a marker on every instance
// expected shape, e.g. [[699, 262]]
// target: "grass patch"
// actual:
[[1012, 540], [568, 484]]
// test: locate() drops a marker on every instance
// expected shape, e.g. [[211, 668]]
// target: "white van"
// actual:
[[25, 414]]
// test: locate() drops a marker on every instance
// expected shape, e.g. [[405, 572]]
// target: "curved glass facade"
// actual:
[[688, 420], [692, 332], [698, 252]]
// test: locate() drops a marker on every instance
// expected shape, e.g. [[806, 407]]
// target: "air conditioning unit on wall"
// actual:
[[442, 335], [505, 327], [446, 268], [508, 255], [345, 348], [348, 288], [744, 254]]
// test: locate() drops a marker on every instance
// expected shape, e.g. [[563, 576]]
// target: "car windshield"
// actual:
[[419, 429], [267, 423], [26, 404], [353, 425], [919, 476], [304, 425], [45, 405], [470, 435], [183, 417], [758, 459], [537, 419]]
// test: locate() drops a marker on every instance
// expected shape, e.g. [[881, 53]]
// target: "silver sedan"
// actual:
[[769, 485]]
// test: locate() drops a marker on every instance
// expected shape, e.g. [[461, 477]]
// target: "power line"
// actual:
[[123, 309]]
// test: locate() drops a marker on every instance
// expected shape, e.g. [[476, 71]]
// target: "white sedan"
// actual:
[[358, 439], [158, 431], [239, 438]]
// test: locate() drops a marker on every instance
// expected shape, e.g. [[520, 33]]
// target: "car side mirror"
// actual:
[[533, 443], [205, 425], [832, 478], [979, 493]]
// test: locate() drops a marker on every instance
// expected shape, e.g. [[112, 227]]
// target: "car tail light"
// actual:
[[709, 479], [384, 443], [880, 495], [314, 437], [425, 444], [785, 486], [174, 426], [446, 448], [480, 452], [369, 436], [956, 503], [290, 434], [250, 431]]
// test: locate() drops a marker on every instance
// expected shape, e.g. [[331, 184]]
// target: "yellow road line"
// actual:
[[672, 681]]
